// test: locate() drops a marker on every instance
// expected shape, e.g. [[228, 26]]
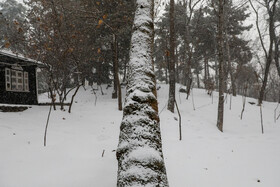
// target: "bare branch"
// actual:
[[258, 28]]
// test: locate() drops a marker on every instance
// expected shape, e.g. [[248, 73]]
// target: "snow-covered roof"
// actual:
[[9, 53]]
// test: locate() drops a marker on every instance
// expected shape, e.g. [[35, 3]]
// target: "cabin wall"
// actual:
[[12, 97]]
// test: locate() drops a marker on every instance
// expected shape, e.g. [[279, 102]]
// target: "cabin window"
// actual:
[[26, 85], [17, 80], [8, 79]]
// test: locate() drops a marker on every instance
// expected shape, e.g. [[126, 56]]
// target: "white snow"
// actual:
[[145, 154], [241, 156], [140, 172]]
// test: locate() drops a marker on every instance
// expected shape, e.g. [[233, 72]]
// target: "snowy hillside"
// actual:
[[241, 156]]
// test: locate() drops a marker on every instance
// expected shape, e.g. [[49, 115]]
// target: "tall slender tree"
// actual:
[[172, 85], [220, 39]]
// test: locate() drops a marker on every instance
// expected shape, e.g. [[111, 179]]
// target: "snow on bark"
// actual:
[[139, 151]]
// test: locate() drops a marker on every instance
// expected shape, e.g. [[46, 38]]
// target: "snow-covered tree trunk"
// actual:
[[139, 152]]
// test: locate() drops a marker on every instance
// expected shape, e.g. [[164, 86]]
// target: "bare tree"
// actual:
[[270, 6], [189, 6]]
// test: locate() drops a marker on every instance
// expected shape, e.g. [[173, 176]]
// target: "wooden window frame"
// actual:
[[8, 79], [26, 81], [20, 83]]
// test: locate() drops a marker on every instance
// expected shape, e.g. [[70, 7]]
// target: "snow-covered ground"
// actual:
[[241, 156]]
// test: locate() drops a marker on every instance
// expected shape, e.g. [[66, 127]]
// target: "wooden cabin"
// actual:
[[18, 79]]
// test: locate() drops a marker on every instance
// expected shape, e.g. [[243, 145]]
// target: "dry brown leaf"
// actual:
[[7, 44]]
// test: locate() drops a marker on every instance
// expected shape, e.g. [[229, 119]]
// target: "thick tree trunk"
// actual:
[[220, 39], [139, 152], [172, 84]]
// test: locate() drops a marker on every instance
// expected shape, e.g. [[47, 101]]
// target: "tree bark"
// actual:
[[124, 71], [205, 72], [73, 96], [139, 153], [115, 69], [177, 66], [172, 84], [166, 65], [268, 60], [271, 13], [198, 81], [232, 80], [268, 55], [188, 77], [53, 98], [276, 56], [117, 93], [220, 39], [276, 47]]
